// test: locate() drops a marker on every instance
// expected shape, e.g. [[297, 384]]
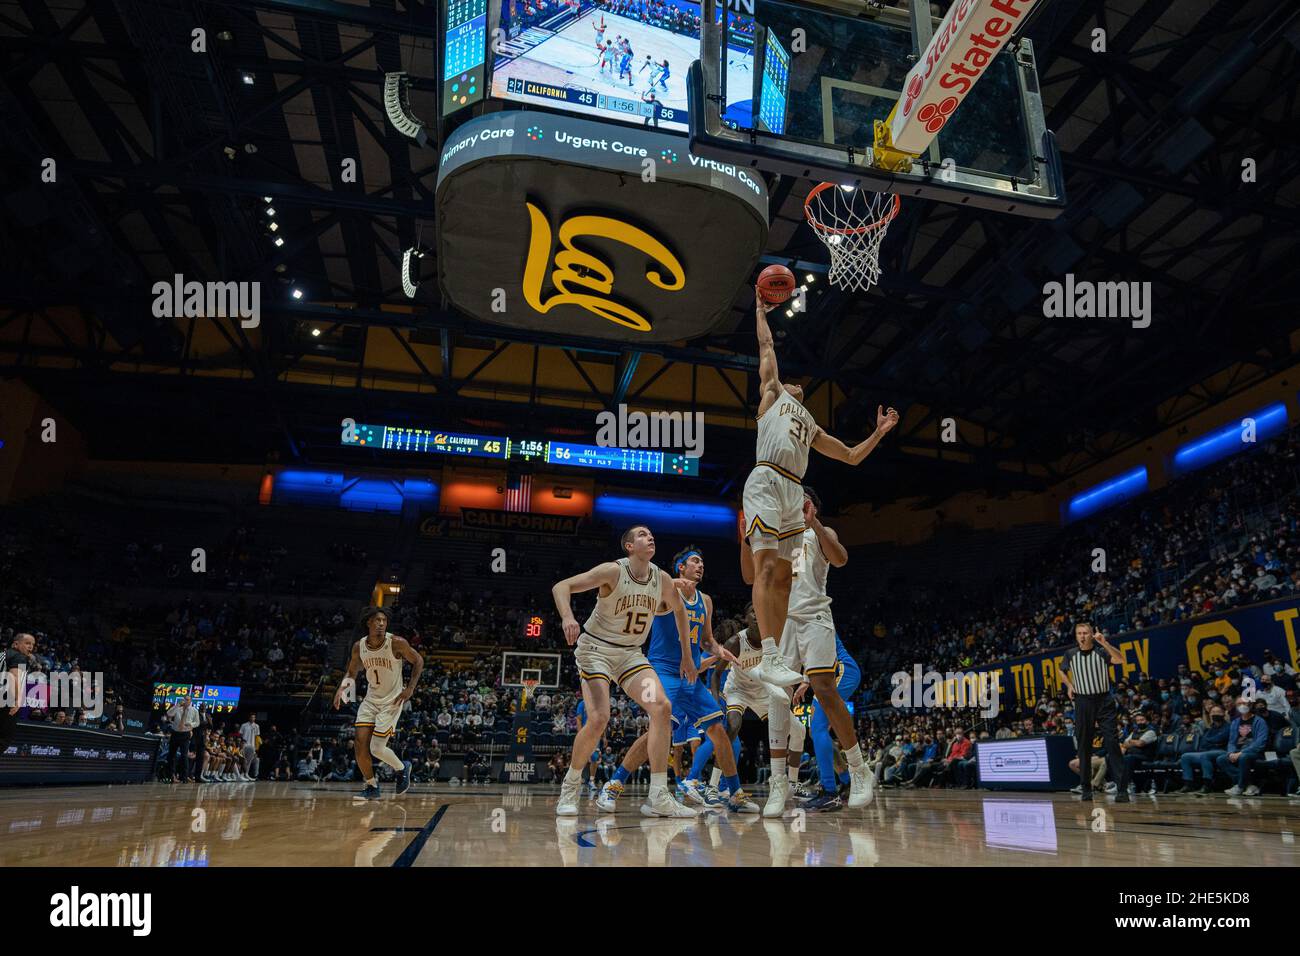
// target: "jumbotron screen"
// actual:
[[217, 698], [617, 59]]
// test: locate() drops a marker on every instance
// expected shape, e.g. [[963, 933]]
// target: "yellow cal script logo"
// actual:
[[585, 271]]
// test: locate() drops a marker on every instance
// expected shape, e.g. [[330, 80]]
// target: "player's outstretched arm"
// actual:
[[601, 576], [827, 539], [832, 447], [349, 679], [708, 640], [769, 375], [406, 652]]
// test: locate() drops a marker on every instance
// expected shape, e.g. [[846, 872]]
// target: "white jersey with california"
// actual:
[[383, 668], [609, 647], [773, 497], [808, 639], [808, 597], [742, 691]]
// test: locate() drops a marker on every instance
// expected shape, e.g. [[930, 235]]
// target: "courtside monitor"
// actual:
[[824, 79]]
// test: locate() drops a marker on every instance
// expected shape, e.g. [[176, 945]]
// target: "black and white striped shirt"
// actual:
[[1089, 670]]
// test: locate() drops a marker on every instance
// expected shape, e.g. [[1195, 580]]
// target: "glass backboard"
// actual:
[[796, 89]]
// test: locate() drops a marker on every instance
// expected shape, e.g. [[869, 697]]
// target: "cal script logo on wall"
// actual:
[[575, 269]]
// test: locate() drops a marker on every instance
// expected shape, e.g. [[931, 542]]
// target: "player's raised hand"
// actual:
[[571, 630], [885, 419], [762, 306]]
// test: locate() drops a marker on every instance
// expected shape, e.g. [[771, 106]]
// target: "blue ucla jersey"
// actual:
[[582, 713], [842, 654], [665, 646]]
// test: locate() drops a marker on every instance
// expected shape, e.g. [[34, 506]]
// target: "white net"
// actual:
[[852, 224]]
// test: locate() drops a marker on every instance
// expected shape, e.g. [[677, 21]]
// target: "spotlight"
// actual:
[[270, 210], [297, 293], [847, 189], [279, 241], [248, 79], [811, 278], [266, 199], [274, 226], [315, 333], [250, 148]]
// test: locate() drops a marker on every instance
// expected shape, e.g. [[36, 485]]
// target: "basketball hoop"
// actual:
[[851, 223], [530, 685]]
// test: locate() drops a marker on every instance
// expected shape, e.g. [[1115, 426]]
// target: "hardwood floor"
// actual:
[[293, 824]]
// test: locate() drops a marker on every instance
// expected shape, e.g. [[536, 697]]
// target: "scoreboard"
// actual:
[[215, 698], [562, 454]]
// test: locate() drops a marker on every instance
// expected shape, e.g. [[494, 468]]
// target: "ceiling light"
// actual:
[[315, 333], [279, 241], [297, 293]]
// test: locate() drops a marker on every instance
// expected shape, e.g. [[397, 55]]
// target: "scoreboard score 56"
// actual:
[[534, 627]]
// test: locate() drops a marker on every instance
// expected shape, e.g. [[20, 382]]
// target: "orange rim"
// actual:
[[856, 230]]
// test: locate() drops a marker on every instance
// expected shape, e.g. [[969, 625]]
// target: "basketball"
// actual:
[[775, 284]]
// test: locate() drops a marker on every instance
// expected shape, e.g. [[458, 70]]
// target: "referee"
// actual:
[[1087, 675]]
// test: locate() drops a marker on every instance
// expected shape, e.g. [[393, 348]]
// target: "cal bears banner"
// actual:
[[1200, 643]]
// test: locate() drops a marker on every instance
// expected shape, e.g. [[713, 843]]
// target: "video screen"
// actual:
[[214, 698], [619, 59], [776, 85]]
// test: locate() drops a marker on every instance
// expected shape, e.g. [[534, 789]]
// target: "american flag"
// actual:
[[519, 492]]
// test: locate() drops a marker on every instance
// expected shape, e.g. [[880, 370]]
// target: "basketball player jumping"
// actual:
[[774, 506], [808, 641], [608, 650], [692, 704], [380, 655]]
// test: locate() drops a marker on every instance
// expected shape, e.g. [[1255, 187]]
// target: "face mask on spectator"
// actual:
[[1243, 709]]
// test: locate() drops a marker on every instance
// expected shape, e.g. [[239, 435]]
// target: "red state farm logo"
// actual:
[[913, 91], [934, 116]]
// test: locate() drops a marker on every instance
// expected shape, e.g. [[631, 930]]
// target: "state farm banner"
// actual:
[[962, 47], [525, 521], [1200, 643]]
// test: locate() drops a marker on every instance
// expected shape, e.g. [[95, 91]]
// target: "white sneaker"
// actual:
[[862, 787], [660, 803], [777, 795], [608, 797], [1233, 791], [1251, 791], [567, 806], [772, 670], [1111, 787]]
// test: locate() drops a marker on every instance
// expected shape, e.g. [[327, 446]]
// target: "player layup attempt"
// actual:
[[774, 515], [609, 651], [380, 655]]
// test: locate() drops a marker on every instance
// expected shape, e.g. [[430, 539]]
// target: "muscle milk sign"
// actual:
[[965, 43]]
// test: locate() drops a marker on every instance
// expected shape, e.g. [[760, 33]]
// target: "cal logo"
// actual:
[[741, 6]]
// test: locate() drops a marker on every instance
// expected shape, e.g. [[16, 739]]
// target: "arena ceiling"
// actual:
[[163, 157]]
